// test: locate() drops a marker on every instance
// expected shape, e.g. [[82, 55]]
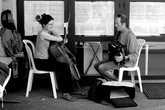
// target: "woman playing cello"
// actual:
[[42, 59]]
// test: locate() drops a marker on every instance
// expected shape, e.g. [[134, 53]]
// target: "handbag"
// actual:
[[94, 91]]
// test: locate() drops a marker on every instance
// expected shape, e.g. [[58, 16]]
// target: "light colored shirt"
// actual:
[[42, 46], [130, 41]]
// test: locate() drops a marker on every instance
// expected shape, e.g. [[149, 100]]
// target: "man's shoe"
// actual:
[[68, 97]]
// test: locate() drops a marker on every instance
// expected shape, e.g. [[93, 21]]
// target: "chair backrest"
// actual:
[[2, 88], [7, 79], [141, 43], [30, 53], [31, 44]]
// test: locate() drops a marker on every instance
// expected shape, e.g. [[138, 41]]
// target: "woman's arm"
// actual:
[[53, 37], [55, 33]]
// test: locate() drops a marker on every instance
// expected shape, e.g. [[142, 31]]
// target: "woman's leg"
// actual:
[[65, 77], [63, 71]]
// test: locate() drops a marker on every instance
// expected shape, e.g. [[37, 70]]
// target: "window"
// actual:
[[94, 18], [33, 8], [147, 18]]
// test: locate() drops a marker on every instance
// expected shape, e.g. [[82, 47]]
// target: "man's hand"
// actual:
[[119, 58]]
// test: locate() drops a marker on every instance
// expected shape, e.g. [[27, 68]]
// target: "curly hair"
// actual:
[[44, 18]]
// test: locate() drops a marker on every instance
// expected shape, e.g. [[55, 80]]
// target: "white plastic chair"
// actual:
[[33, 70], [141, 43], [2, 88]]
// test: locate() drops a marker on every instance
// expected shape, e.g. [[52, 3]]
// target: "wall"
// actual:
[[11, 5], [0, 10]]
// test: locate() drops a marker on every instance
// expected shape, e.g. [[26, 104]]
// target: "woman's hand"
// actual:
[[65, 41], [119, 58]]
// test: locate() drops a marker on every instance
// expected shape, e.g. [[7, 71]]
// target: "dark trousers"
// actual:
[[62, 71]]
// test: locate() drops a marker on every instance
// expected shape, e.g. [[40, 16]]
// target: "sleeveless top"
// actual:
[[42, 45]]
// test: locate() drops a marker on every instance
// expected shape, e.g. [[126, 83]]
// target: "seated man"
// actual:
[[126, 36]]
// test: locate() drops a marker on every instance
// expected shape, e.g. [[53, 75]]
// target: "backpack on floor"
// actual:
[[94, 92]]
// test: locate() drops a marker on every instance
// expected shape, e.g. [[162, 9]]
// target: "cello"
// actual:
[[62, 54]]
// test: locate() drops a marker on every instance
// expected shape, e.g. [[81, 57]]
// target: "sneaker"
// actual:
[[68, 97]]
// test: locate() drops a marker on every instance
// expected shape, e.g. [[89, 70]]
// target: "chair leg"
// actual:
[[120, 74], [29, 85], [56, 84], [132, 76], [140, 81], [31, 81], [52, 76]]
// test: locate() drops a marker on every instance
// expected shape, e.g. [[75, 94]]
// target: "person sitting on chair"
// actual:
[[42, 57], [126, 36], [13, 47], [14, 41]]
